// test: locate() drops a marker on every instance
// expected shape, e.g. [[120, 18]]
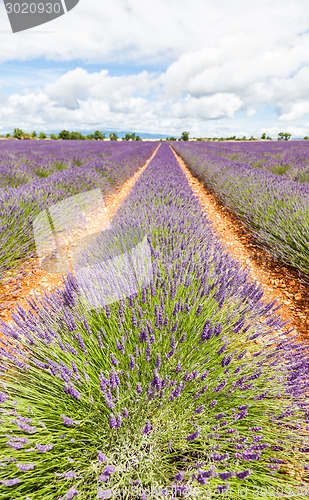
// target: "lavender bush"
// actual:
[[189, 388], [265, 185], [36, 175]]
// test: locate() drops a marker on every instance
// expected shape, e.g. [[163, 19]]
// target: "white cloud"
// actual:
[[208, 107], [220, 58]]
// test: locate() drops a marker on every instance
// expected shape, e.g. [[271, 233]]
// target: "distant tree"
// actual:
[[184, 136], [64, 135], [172, 139], [137, 138], [98, 135], [53, 136], [252, 138], [18, 133], [8, 135], [268, 138], [76, 136], [244, 138], [263, 136], [306, 138], [127, 137], [284, 136], [113, 136], [33, 134], [42, 135]]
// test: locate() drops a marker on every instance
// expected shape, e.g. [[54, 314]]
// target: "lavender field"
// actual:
[[266, 185], [189, 388], [34, 175]]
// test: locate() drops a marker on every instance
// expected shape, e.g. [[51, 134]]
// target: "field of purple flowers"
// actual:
[[37, 174], [266, 185], [166, 394]]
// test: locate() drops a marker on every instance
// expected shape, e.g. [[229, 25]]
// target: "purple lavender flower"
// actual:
[[3, 397], [193, 436], [101, 457], [119, 420], [10, 482], [67, 420], [132, 362], [44, 447], [244, 474], [114, 360], [226, 475], [125, 413], [112, 421], [110, 469], [70, 475], [71, 493], [179, 476], [139, 388], [25, 467], [147, 427], [199, 409], [15, 445], [158, 361]]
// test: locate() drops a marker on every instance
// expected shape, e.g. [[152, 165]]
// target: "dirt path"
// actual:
[[278, 281], [37, 279]]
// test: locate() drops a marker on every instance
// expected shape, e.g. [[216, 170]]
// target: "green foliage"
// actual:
[[42, 173], [184, 136], [34, 134], [77, 161], [64, 135], [77, 136], [53, 137], [42, 135], [306, 138], [98, 135], [284, 136], [113, 136], [263, 136], [18, 133], [132, 137]]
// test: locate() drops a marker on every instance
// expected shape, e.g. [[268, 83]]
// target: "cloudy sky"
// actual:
[[211, 67]]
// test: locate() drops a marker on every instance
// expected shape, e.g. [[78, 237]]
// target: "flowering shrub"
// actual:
[[165, 388]]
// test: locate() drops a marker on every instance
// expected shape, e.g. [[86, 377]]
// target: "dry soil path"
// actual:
[[37, 279], [278, 281]]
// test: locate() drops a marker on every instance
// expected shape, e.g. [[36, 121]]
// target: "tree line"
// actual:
[[70, 136], [97, 135]]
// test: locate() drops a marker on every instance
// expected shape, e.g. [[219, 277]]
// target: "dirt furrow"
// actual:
[[38, 279], [277, 280]]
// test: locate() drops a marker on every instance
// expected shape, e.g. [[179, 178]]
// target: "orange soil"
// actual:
[[277, 280], [38, 279]]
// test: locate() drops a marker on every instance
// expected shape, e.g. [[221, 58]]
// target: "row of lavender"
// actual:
[[34, 175], [290, 159], [181, 390], [274, 207]]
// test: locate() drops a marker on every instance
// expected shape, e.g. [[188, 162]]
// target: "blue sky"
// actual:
[[215, 68]]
